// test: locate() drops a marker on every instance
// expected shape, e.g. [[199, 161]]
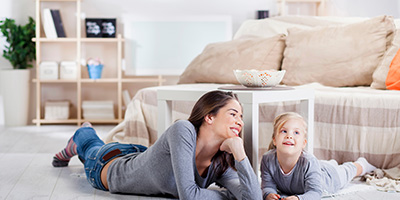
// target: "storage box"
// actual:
[[68, 70], [98, 110], [56, 110], [48, 70]]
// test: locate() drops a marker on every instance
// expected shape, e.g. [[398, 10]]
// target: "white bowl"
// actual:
[[259, 78]]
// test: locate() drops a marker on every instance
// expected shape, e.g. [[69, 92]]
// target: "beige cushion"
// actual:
[[218, 60], [380, 74], [344, 55]]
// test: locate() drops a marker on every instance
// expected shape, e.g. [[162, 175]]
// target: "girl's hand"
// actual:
[[234, 146], [273, 196], [291, 198]]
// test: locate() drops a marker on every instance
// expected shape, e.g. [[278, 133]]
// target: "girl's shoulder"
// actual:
[[269, 155], [308, 156], [309, 160]]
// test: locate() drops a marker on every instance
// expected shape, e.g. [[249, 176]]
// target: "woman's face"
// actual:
[[291, 138], [228, 121]]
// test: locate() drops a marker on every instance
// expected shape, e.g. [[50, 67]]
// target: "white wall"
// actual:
[[240, 10]]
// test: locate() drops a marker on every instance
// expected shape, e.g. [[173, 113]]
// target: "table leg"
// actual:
[[307, 111], [250, 133], [164, 116]]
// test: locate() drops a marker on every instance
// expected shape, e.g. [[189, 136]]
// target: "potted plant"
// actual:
[[20, 50]]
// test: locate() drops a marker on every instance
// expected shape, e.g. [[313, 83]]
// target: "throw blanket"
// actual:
[[387, 180], [349, 122]]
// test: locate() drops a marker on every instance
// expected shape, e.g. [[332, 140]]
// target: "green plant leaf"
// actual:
[[20, 50]]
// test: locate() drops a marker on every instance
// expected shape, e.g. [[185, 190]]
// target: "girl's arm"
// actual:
[[268, 185], [312, 180]]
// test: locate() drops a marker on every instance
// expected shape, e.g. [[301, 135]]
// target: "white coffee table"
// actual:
[[250, 100]]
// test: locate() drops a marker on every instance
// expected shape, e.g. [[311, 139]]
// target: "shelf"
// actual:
[[81, 82], [58, 0], [320, 5], [66, 121], [55, 81], [301, 1], [54, 40], [103, 120], [76, 39], [142, 80], [73, 121], [101, 40], [102, 80]]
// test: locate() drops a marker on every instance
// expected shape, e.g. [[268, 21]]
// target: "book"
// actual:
[[55, 13], [48, 24]]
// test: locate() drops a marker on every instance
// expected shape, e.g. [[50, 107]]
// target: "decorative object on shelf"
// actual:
[[98, 110], [55, 13], [52, 23], [101, 27], [94, 68], [48, 24], [56, 110], [14, 84], [48, 70], [262, 14], [68, 70]]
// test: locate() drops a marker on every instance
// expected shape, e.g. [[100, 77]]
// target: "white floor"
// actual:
[[26, 171]]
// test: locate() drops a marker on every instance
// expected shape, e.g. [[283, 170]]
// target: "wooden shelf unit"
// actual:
[[78, 40], [319, 3]]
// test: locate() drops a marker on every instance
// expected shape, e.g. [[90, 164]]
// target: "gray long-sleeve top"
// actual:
[[309, 179], [169, 168], [304, 181]]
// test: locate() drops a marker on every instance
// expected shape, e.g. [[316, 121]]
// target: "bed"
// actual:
[[355, 114]]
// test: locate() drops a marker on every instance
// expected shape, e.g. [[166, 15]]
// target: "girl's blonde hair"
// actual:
[[280, 120]]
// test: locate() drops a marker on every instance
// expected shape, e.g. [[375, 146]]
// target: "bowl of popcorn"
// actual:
[[259, 78]]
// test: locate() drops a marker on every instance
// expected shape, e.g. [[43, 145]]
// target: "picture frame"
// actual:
[[101, 27]]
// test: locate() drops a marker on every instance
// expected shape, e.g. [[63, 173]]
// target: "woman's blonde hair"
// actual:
[[280, 120]]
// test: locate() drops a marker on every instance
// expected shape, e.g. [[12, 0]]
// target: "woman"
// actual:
[[188, 157]]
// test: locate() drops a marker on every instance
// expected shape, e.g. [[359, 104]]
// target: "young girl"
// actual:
[[188, 157], [286, 168]]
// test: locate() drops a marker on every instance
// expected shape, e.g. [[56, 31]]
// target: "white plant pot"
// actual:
[[14, 89]]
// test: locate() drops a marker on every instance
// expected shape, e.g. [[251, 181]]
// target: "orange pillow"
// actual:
[[393, 77]]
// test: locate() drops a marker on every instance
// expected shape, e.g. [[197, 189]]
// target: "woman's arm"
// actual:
[[243, 184], [235, 147], [182, 142]]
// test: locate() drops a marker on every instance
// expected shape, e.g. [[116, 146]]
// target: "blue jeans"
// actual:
[[94, 153]]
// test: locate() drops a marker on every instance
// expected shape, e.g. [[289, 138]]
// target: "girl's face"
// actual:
[[228, 121], [291, 138]]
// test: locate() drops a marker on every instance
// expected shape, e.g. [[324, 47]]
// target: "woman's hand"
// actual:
[[273, 196], [234, 146]]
